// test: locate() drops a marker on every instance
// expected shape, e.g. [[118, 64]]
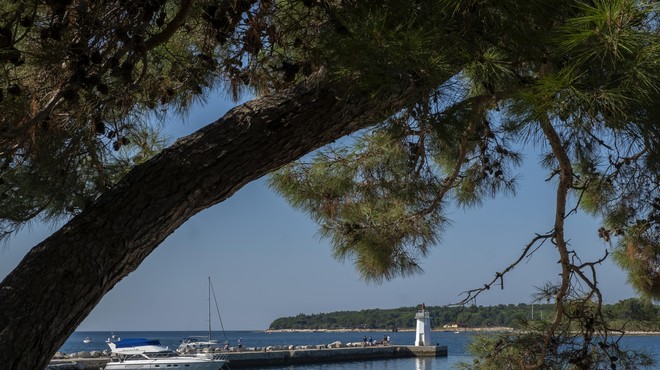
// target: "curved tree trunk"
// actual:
[[63, 278]]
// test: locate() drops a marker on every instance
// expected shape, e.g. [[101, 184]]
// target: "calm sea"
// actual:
[[455, 342]]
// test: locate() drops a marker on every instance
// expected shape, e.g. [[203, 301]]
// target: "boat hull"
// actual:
[[181, 363]]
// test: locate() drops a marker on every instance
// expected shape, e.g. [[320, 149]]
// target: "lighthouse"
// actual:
[[423, 334]]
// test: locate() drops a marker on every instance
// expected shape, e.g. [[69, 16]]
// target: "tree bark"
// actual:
[[62, 279]]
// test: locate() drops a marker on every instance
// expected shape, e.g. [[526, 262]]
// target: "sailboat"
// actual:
[[195, 344]]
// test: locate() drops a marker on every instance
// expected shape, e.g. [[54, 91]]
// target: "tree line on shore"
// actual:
[[632, 313]]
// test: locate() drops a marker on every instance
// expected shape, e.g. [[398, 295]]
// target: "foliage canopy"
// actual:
[[581, 80]]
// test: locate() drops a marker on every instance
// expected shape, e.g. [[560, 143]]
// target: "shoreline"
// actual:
[[497, 329], [480, 329]]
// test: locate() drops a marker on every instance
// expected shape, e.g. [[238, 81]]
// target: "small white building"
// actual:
[[423, 333]]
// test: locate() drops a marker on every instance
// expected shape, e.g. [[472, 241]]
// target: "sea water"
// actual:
[[456, 343]]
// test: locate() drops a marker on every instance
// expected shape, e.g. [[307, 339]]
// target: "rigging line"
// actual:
[[218, 310]]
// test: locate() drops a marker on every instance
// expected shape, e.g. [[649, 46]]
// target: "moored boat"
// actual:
[[143, 353], [197, 344], [194, 344]]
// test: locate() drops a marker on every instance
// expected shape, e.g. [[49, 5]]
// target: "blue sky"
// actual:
[[266, 260]]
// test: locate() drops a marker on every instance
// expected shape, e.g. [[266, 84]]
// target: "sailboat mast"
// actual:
[[209, 308]]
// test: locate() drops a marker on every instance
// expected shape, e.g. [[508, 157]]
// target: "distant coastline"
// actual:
[[484, 329], [498, 318], [497, 329]]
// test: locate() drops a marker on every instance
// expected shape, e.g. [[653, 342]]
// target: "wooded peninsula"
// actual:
[[630, 314]]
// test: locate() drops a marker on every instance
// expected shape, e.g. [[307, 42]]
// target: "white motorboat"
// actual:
[[142, 353], [87, 340], [196, 344]]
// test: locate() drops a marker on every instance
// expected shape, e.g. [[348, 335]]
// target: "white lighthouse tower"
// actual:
[[423, 334]]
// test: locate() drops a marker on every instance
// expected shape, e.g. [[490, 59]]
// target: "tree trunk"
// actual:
[[62, 279]]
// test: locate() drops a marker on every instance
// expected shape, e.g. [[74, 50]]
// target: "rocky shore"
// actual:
[[82, 360]]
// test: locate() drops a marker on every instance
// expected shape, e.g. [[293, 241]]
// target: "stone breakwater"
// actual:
[[329, 354], [84, 360], [82, 354], [276, 355], [285, 347]]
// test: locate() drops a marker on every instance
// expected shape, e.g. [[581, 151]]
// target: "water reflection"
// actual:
[[423, 363]]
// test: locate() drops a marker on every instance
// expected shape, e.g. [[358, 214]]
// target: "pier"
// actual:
[[307, 356], [321, 354]]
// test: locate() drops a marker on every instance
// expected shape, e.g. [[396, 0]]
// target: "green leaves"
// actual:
[[607, 54], [638, 253], [86, 83], [605, 31], [379, 197], [369, 202], [379, 44]]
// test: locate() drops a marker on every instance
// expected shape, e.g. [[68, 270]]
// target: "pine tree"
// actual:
[[579, 78], [437, 92]]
